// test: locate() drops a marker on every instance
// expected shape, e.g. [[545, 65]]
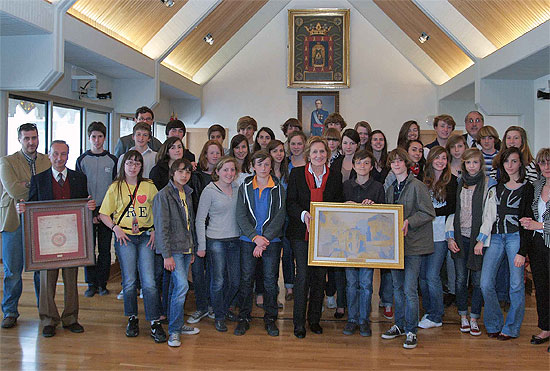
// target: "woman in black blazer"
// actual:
[[312, 182]]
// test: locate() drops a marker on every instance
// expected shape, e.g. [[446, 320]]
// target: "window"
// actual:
[[92, 116], [21, 111], [159, 131], [126, 126], [67, 126]]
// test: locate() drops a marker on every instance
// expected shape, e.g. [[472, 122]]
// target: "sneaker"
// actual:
[[157, 332], [174, 340], [230, 316], [349, 328], [426, 323], [393, 332], [188, 330], [90, 292], [211, 314], [132, 329], [474, 328], [197, 316], [331, 302], [410, 341], [364, 329], [103, 291], [242, 327], [219, 324], [388, 312], [120, 295], [271, 328], [464, 325]]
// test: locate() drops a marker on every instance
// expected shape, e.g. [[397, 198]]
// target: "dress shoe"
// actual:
[[493, 335], [90, 292], [74, 327], [48, 331], [503, 337], [103, 291], [271, 328], [9, 322], [535, 340], [300, 332], [220, 326], [339, 315], [316, 328], [242, 327]]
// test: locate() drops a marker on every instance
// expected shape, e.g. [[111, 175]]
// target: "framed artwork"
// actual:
[[318, 48], [353, 235], [314, 107], [58, 234]]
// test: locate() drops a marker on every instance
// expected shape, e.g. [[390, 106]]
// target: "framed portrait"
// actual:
[[57, 234], [354, 235], [314, 107], [318, 48]]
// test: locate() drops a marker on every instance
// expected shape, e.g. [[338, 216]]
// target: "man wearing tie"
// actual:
[[473, 122], [58, 183]]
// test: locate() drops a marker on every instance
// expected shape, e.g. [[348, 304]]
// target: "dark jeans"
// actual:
[[259, 288], [462, 284], [539, 256], [224, 258], [308, 280], [97, 275], [289, 269], [159, 274], [201, 282], [270, 268], [336, 284]]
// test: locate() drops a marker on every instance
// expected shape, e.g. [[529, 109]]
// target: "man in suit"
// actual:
[[15, 174], [58, 183], [143, 114], [473, 122]]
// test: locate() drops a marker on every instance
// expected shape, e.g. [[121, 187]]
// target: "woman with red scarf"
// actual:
[[313, 182]]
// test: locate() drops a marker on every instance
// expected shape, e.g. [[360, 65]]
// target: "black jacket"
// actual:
[[298, 197], [371, 190], [337, 166], [41, 188]]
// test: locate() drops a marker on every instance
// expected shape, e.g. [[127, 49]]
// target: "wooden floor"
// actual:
[[104, 346]]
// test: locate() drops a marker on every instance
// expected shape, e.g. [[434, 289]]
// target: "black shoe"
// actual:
[[271, 328], [157, 332], [9, 322], [242, 327], [90, 292], [230, 316], [132, 329], [535, 340], [300, 332], [219, 324], [364, 329], [339, 315], [103, 291], [316, 328], [164, 321], [48, 331], [75, 328]]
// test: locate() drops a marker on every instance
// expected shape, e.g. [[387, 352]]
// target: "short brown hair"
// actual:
[[445, 118], [453, 140], [400, 153], [261, 155], [218, 128], [311, 141], [97, 126], [543, 155], [245, 122], [335, 118], [363, 154], [143, 127], [300, 134], [176, 166], [224, 160], [291, 122], [332, 133]]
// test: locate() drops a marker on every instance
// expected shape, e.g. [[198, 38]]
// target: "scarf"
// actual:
[[415, 169], [315, 193], [474, 261]]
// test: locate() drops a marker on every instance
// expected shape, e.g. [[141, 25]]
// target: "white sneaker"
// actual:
[[410, 341], [211, 314], [188, 330], [120, 295], [174, 340], [331, 302], [426, 323], [474, 328], [197, 316]]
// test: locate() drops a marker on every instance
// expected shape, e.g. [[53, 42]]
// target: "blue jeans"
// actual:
[[503, 282], [136, 254], [223, 255], [289, 269], [201, 281], [405, 293], [270, 266], [503, 246], [178, 291], [385, 291], [430, 282], [451, 273], [359, 294], [462, 284], [12, 257]]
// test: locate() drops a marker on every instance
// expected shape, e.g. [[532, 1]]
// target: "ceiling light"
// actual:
[[168, 3], [423, 38], [209, 39]]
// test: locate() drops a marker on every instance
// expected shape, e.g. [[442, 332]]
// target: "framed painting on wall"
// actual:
[[318, 48], [354, 235], [314, 107]]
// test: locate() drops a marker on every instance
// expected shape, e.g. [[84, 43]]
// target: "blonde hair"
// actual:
[[311, 141], [469, 154], [224, 160]]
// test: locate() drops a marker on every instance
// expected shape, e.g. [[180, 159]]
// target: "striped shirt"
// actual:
[[489, 161]]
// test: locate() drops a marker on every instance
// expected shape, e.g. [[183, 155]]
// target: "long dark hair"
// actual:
[[503, 175], [403, 136], [384, 153], [235, 141], [438, 187], [284, 164], [268, 131], [163, 155]]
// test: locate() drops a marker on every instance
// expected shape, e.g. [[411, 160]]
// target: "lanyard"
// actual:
[[132, 196]]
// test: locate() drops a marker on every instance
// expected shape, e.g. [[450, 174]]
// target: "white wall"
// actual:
[[541, 116], [386, 90]]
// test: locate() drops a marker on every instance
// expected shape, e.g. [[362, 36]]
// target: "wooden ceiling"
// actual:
[[407, 16], [503, 21], [222, 23], [133, 22]]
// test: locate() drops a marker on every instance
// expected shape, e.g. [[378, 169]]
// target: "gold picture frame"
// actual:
[[318, 48], [354, 235]]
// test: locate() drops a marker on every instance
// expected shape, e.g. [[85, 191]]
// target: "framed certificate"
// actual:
[[58, 234]]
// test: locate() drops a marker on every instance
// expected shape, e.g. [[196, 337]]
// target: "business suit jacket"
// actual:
[[14, 169], [299, 196], [42, 190]]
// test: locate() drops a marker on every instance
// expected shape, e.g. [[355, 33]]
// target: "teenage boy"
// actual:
[[247, 126], [99, 166], [143, 114], [418, 214], [443, 126], [217, 132], [141, 135]]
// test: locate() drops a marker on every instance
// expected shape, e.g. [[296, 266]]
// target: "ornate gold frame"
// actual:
[[292, 14], [314, 206]]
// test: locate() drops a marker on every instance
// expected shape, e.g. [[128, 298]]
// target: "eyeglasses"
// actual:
[[133, 163], [544, 163], [477, 120]]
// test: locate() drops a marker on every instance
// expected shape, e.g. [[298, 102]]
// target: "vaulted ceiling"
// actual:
[[460, 31]]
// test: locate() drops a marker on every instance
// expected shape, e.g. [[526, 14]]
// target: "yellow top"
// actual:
[[184, 202]]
